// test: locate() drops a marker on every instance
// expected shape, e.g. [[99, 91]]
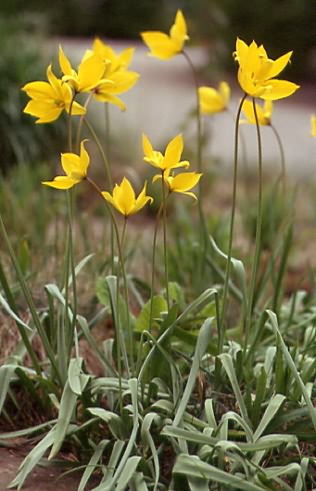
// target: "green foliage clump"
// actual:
[[21, 61]]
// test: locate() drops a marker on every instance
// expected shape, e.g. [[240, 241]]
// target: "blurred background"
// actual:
[[161, 104], [31, 31]]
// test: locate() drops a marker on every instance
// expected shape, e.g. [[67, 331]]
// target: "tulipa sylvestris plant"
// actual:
[[193, 394]]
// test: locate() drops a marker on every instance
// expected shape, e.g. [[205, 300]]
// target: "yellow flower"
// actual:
[[212, 100], [124, 200], [171, 159], [117, 83], [257, 72], [313, 125], [113, 62], [90, 72], [181, 183], [264, 113], [163, 46], [49, 99], [75, 167]]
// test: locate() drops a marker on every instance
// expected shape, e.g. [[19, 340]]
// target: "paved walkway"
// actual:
[[160, 102]]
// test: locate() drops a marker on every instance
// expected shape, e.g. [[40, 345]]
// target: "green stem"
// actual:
[[102, 152], [232, 217], [202, 222], [258, 232], [82, 118], [72, 268], [109, 178], [121, 258], [153, 264], [283, 168], [107, 130], [69, 125], [198, 114], [165, 249]]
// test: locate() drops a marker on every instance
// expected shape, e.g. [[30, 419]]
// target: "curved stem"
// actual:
[[164, 222], [109, 178], [258, 231], [121, 258], [102, 152], [107, 130], [283, 168], [198, 113], [232, 217], [203, 226], [153, 264], [69, 124], [82, 118]]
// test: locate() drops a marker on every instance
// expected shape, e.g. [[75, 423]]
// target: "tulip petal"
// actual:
[[278, 89]]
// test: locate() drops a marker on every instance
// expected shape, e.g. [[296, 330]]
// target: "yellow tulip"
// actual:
[[181, 183], [171, 159], [123, 198], [257, 72], [90, 72], [313, 125], [264, 113], [113, 62], [49, 99], [163, 46], [117, 83], [214, 101], [75, 167]]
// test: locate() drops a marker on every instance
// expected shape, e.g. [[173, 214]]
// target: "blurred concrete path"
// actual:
[[161, 100]]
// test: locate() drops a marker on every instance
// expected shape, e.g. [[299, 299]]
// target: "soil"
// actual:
[[41, 479]]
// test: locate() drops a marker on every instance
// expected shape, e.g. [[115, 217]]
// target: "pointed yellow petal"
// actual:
[[185, 181], [109, 198], [122, 81], [64, 63], [211, 101], [37, 90], [76, 109], [84, 158], [111, 99], [147, 146], [279, 64], [160, 44], [61, 182], [313, 125], [141, 200], [278, 89], [248, 111], [90, 72], [45, 111], [173, 152], [71, 164], [178, 32]]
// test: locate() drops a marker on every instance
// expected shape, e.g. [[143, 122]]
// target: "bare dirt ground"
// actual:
[[41, 479]]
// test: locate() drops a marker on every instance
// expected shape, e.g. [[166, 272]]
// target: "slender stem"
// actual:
[[165, 249], [82, 118], [198, 113], [70, 264], [121, 258], [72, 268], [283, 168], [258, 231], [203, 227], [109, 178], [125, 285], [107, 130], [153, 264], [69, 124], [232, 217], [102, 152]]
